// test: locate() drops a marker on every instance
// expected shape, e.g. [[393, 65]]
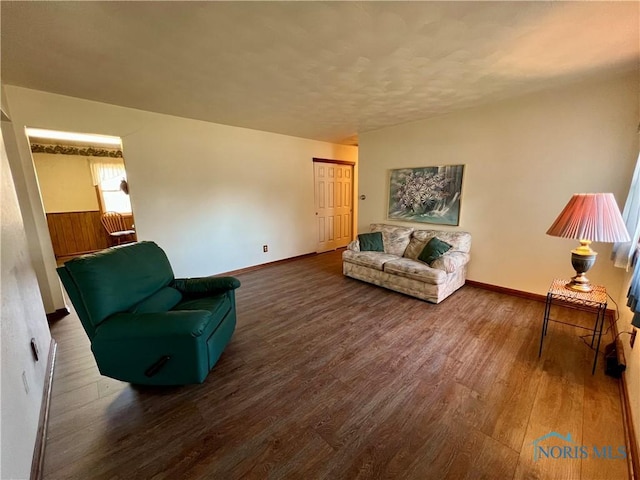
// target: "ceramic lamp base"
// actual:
[[582, 261]]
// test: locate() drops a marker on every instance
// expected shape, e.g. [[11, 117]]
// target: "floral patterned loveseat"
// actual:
[[398, 267]]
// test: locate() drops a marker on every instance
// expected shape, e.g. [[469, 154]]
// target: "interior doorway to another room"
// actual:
[[81, 177], [333, 180]]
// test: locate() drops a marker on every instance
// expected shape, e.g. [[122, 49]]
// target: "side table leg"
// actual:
[[547, 312], [595, 328], [545, 323], [601, 315]]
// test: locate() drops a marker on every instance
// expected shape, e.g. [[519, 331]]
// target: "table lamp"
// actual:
[[589, 217]]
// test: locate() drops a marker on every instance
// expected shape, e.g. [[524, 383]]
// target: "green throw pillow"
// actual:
[[371, 242], [433, 250]]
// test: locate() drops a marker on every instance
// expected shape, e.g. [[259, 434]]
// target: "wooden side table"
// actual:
[[563, 296]]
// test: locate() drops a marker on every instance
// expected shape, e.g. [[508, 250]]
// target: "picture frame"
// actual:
[[426, 194]]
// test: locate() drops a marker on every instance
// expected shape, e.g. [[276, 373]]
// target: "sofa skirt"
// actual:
[[424, 291]]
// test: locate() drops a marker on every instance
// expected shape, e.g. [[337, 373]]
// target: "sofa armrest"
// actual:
[[203, 286], [354, 245], [451, 261], [176, 323]]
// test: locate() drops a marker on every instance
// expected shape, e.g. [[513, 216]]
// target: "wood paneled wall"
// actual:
[[76, 232], [73, 233]]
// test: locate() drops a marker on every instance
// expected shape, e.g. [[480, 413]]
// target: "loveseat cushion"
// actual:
[[368, 259], [161, 301], [405, 267], [459, 241], [395, 238]]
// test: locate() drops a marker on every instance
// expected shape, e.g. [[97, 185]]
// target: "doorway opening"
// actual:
[[81, 177]]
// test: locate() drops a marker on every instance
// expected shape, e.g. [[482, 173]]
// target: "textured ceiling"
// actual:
[[320, 70]]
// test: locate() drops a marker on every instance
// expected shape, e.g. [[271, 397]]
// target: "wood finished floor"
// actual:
[[330, 378]]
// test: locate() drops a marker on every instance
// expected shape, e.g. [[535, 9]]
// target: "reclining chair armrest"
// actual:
[[204, 286], [153, 325]]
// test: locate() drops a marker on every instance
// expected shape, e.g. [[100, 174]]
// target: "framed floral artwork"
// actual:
[[426, 194]]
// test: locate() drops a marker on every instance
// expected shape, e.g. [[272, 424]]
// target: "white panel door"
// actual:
[[334, 205]]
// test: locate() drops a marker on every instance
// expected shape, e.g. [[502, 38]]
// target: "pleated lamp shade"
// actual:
[[588, 217], [591, 216]]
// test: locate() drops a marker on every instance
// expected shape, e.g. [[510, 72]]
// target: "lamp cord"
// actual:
[[606, 332]]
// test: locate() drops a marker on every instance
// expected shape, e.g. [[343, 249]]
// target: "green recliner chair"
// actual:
[[145, 326]]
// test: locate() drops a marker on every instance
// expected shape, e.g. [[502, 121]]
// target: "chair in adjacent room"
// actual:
[[115, 226], [146, 326]]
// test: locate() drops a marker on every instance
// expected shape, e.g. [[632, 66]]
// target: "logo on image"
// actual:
[[555, 446]]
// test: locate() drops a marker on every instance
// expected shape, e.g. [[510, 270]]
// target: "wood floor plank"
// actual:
[[330, 378], [602, 411], [489, 459]]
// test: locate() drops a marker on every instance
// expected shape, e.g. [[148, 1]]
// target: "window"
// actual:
[[108, 175], [624, 253], [112, 198]]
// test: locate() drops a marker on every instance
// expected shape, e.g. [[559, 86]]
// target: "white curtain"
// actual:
[[104, 168], [623, 253]]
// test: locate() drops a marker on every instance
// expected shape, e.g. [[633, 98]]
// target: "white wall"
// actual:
[[32, 209], [65, 183], [23, 318], [211, 195], [523, 158]]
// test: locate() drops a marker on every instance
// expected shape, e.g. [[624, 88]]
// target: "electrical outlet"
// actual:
[[265, 248], [633, 337]]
